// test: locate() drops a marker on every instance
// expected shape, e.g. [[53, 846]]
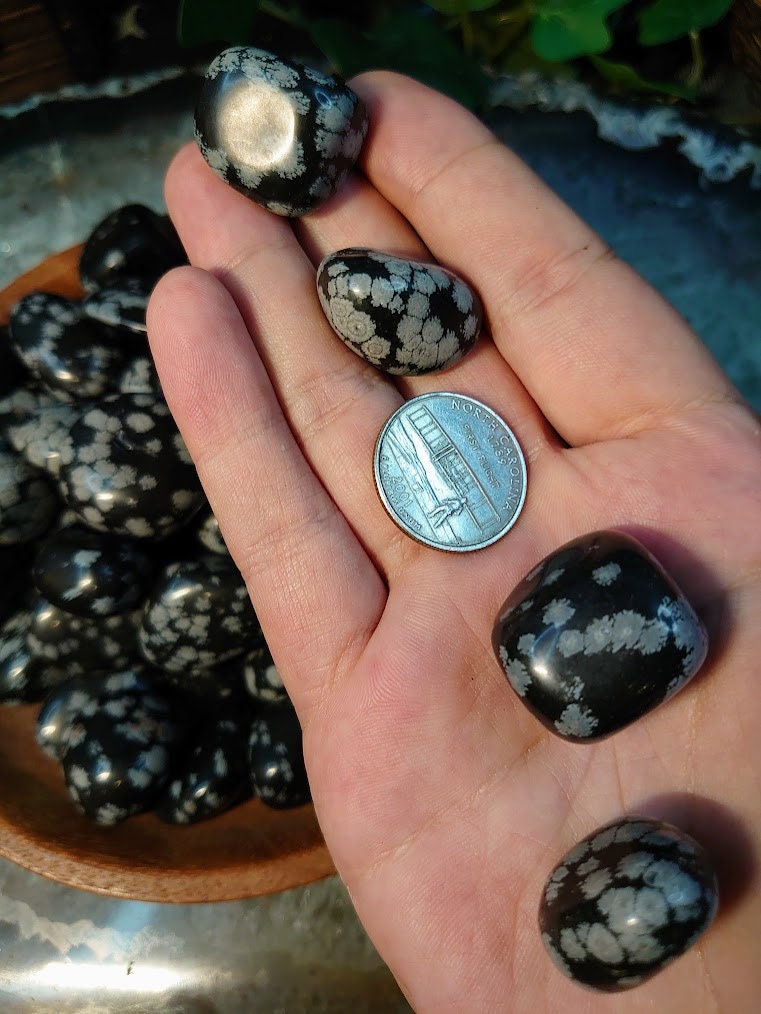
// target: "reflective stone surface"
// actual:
[[627, 901], [280, 132], [596, 636], [91, 573], [214, 776], [128, 470], [72, 355], [277, 759], [404, 317], [198, 615], [131, 242]]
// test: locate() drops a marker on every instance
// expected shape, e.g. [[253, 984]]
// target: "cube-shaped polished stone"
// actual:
[[625, 902], [596, 636]]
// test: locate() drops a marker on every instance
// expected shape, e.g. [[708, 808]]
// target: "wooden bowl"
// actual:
[[248, 851]]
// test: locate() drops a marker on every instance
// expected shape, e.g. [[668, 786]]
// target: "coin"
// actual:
[[450, 472]]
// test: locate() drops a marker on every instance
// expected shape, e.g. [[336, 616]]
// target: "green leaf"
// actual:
[[409, 42], [628, 80], [461, 6], [566, 29], [201, 21], [670, 19]]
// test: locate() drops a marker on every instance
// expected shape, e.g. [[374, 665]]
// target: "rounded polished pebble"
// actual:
[[139, 376], [28, 500], [210, 536], [57, 714], [263, 681], [404, 317], [72, 355], [129, 470], [122, 304], [121, 747], [276, 755], [39, 428], [198, 615], [23, 677], [280, 132], [81, 644], [90, 573], [213, 778], [596, 636], [131, 242], [627, 901]]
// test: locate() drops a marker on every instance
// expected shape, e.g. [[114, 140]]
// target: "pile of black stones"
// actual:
[[122, 610]]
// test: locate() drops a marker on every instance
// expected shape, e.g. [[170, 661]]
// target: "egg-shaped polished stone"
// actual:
[[214, 776], [72, 355], [139, 376], [405, 317], [120, 305], [121, 747], [28, 500], [91, 573], [131, 242], [627, 901], [284, 134], [81, 644], [23, 676], [129, 471], [596, 636], [210, 537], [262, 680], [39, 427], [198, 615], [276, 755]]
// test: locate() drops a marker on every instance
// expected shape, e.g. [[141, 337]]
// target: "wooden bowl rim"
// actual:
[[81, 854]]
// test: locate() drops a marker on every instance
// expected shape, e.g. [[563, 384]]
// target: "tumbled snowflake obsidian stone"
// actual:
[[596, 636], [625, 902], [282, 133], [404, 317]]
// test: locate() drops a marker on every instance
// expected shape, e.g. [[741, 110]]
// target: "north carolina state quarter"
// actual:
[[450, 472]]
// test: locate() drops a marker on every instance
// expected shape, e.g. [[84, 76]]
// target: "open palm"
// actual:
[[443, 802]]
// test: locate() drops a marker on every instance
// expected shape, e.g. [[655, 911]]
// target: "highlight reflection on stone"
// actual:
[[596, 636], [280, 132], [625, 902]]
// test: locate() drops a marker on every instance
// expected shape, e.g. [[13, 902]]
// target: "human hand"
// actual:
[[443, 802]]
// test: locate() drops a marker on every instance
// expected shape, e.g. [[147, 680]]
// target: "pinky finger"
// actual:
[[316, 592]]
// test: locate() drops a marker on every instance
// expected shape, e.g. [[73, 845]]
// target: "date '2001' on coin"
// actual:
[[450, 472]]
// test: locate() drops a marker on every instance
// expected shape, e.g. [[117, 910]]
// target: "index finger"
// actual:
[[602, 354]]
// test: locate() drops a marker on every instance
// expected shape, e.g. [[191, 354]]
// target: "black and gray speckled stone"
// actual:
[[28, 501], [276, 754], [131, 242], [23, 676], [121, 305], [128, 470], [39, 427], [405, 317], [72, 355], [91, 573], [596, 636], [627, 901], [284, 134], [121, 740], [82, 644], [262, 680], [198, 615], [213, 778]]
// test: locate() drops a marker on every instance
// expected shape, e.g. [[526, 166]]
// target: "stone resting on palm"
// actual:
[[444, 803]]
